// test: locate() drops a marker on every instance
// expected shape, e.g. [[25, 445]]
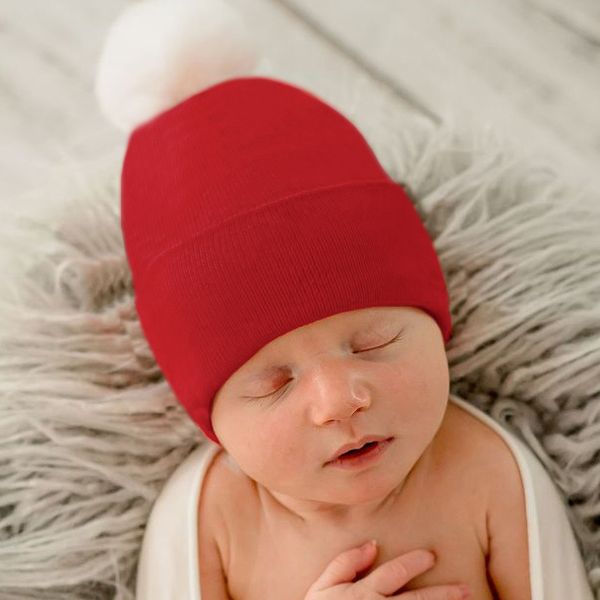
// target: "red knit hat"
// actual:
[[253, 208]]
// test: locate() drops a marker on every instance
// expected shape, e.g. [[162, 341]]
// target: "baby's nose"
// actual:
[[336, 395]]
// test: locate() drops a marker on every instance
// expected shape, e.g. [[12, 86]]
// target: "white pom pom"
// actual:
[[160, 52]]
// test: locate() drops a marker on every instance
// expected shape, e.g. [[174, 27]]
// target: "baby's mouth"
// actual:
[[360, 450], [367, 448]]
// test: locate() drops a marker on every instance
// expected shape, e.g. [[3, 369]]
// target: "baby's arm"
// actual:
[[508, 560]]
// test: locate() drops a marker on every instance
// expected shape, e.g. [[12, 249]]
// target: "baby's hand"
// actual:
[[335, 583]]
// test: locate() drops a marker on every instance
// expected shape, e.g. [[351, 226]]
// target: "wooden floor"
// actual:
[[529, 68]]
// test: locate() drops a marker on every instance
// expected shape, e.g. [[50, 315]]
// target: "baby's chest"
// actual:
[[267, 566]]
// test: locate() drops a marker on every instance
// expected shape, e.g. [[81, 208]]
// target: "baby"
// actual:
[[295, 303], [281, 517]]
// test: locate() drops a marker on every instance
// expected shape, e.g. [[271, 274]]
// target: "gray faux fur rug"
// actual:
[[90, 431]]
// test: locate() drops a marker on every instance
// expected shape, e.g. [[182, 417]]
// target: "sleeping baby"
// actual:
[[294, 301], [296, 305]]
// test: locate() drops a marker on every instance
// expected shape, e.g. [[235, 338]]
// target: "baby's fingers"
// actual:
[[393, 574], [344, 567]]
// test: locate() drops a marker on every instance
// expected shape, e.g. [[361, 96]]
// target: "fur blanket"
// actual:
[[90, 431]]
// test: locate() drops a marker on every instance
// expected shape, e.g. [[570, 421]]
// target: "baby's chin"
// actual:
[[380, 487]]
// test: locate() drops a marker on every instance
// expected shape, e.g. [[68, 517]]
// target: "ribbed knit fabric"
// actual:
[[253, 208]]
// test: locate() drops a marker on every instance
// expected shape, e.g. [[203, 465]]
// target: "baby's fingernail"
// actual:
[[464, 591]]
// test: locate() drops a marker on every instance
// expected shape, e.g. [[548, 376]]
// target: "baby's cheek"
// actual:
[[407, 380], [285, 445], [437, 378], [427, 371]]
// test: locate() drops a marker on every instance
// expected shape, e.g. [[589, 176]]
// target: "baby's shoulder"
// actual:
[[474, 441], [483, 461], [224, 480], [226, 499], [507, 545], [476, 454]]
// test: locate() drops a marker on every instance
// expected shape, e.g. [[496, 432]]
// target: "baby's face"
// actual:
[[326, 384]]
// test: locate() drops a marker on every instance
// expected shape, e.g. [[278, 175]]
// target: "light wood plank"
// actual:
[[581, 17], [49, 116], [485, 61]]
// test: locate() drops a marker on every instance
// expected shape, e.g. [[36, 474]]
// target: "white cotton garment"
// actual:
[[168, 563]]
